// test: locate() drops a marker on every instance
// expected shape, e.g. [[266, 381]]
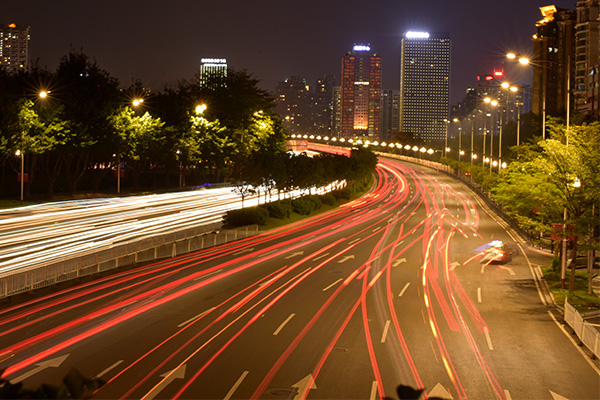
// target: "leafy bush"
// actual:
[[328, 199], [316, 202], [246, 216], [303, 205], [279, 209], [342, 194]]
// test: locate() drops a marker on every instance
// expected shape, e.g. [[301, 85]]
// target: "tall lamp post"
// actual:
[[21, 152], [493, 103], [460, 152]]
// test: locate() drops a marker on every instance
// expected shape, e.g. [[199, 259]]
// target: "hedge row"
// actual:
[[283, 209]]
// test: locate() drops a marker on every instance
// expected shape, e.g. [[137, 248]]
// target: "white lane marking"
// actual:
[[404, 289], [535, 279], [207, 275], [298, 253], [479, 294], [284, 323], [321, 256], [373, 391], [385, 331], [332, 285], [507, 394], [107, 370], [568, 335], [488, 338], [249, 250], [346, 258], [195, 318], [235, 386], [354, 241]]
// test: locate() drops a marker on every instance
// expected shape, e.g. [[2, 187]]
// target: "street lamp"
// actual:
[[493, 103], [201, 108], [460, 152], [526, 61], [180, 169]]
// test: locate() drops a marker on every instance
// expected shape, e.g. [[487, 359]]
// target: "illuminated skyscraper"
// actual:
[[361, 93], [425, 84], [14, 47], [213, 72]]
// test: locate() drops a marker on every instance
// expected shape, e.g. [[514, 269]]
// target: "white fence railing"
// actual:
[[585, 331], [144, 250]]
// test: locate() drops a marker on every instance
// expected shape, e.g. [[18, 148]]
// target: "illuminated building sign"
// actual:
[[417, 35], [361, 48], [214, 61]]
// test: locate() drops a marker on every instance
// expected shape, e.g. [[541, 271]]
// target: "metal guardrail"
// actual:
[[144, 250], [585, 331]]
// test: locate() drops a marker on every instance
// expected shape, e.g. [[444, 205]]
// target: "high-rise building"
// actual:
[[14, 47], [213, 72], [321, 113], [424, 84], [587, 58], [361, 93], [293, 105], [390, 114], [554, 55], [337, 111]]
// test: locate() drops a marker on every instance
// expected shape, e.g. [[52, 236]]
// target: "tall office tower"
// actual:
[[553, 52], [293, 105], [337, 112], [390, 114], [587, 57], [425, 84], [213, 73], [322, 106], [14, 47], [361, 93]]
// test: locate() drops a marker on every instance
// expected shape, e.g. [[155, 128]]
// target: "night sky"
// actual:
[[161, 42]]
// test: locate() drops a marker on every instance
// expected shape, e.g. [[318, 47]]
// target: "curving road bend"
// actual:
[[388, 289]]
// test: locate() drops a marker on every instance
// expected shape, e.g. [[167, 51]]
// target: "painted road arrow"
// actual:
[[398, 262], [440, 392], [454, 265], [168, 377], [303, 386], [52, 363]]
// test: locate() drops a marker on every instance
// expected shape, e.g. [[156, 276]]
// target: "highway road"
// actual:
[[386, 290]]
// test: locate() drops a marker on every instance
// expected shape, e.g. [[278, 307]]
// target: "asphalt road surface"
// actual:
[[389, 289]]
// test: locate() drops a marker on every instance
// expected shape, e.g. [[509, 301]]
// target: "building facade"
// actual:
[[425, 84], [360, 93], [14, 47], [554, 61], [213, 72], [322, 106], [390, 114], [293, 105], [587, 58]]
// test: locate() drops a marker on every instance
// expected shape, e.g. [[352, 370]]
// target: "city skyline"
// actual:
[[143, 40]]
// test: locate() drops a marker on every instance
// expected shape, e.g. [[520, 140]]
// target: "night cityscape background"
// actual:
[[271, 39]]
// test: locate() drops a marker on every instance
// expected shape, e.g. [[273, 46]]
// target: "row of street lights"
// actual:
[[414, 148]]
